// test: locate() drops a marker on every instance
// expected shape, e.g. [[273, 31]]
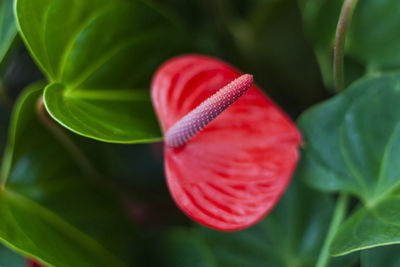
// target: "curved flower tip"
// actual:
[[232, 172]]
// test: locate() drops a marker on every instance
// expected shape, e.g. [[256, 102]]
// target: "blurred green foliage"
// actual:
[[119, 212]]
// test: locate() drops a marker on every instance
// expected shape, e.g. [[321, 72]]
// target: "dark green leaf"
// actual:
[[8, 29], [320, 26], [50, 208], [370, 227], [8, 258], [98, 55], [352, 143], [387, 256], [374, 33]]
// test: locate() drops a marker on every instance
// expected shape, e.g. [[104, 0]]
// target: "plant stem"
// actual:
[[338, 61], [340, 212]]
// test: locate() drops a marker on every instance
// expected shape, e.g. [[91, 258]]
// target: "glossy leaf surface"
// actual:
[[232, 173], [8, 29], [87, 111], [55, 212], [107, 50], [370, 227], [352, 145]]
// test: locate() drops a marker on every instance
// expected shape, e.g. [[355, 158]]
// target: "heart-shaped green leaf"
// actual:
[[93, 110], [8, 29], [292, 235], [352, 143], [9, 258], [49, 208], [97, 55]]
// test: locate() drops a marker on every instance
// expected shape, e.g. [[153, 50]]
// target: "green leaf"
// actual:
[[322, 34], [370, 227], [97, 55], [374, 33], [50, 208], [292, 235], [8, 29], [8, 258], [387, 256], [352, 143], [83, 112]]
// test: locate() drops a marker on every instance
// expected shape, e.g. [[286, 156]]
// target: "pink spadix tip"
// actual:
[[203, 114]]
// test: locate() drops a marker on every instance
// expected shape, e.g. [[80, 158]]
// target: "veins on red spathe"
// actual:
[[226, 164]]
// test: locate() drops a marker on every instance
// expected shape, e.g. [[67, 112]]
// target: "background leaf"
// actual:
[[56, 212], [351, 145], [8, 29], [107, 51], [375, 43]]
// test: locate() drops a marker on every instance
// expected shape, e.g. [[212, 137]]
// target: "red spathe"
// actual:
[[233, 172]]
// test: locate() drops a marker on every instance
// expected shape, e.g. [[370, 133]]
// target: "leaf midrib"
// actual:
[[378, 194]]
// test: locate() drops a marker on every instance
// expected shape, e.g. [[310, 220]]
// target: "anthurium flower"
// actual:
[[226, 163]]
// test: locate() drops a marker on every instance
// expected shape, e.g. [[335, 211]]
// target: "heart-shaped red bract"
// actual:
[[233, 172]]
